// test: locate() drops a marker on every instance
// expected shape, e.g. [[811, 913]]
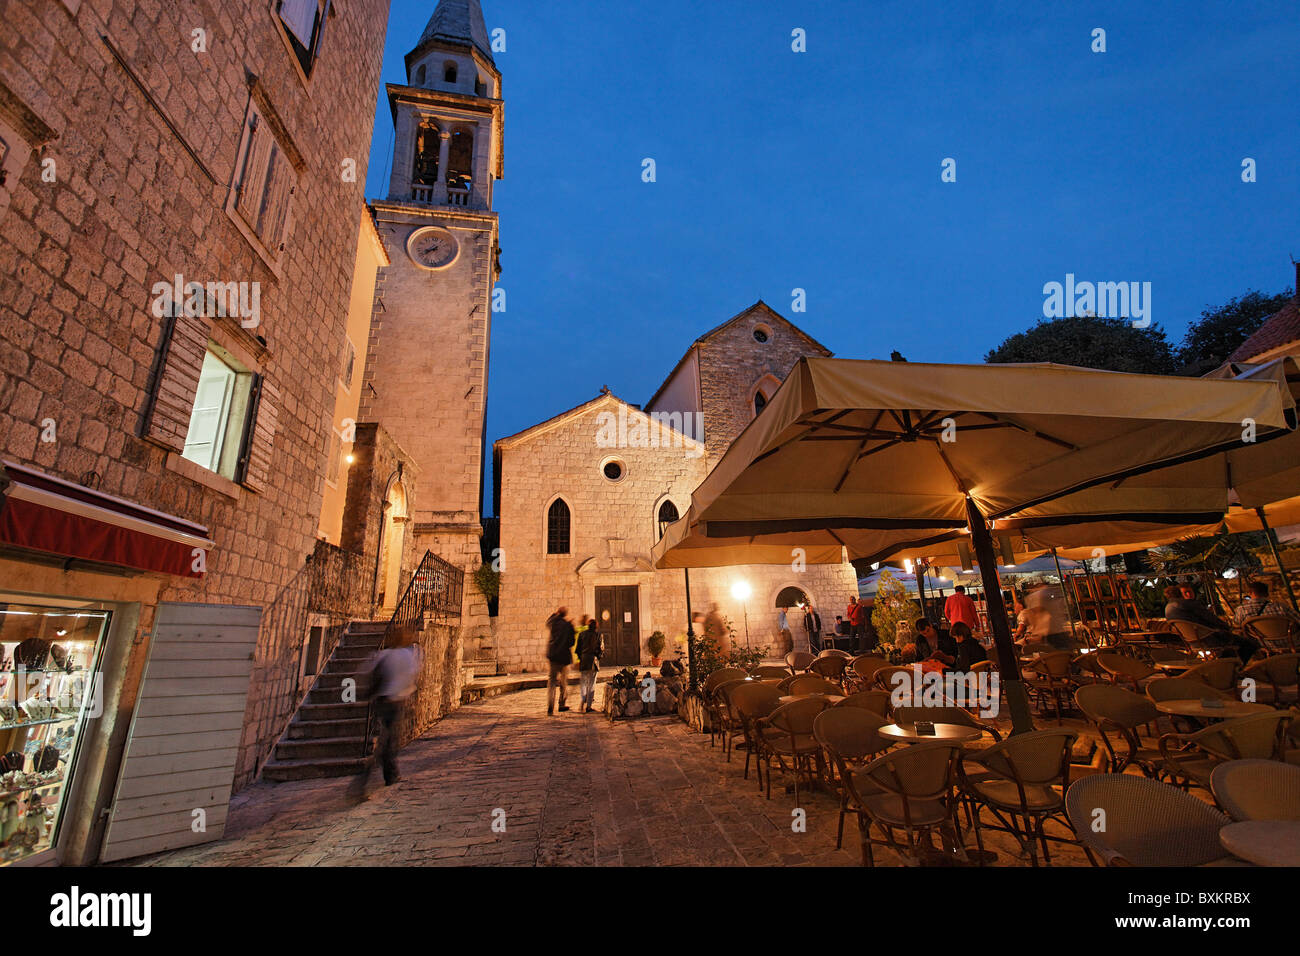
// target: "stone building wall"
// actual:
[[612, 532], [377, 458], [139, 195]]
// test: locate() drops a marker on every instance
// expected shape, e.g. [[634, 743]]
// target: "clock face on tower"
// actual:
[[432, 247]]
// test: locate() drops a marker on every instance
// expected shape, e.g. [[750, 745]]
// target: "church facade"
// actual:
[[583, 498]]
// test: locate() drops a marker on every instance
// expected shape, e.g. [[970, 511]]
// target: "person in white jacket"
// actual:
[[393, 674]]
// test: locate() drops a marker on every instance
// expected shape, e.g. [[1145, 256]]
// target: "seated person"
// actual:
[[1182, 606], [968, 650], [1259, 605], [933, 644]]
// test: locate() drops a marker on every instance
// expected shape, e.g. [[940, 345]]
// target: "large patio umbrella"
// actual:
[[907, 451]]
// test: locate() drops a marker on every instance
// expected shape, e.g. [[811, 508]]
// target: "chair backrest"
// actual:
[[1280, 670], [1118, 705], [1274, 631], [1254, 737], [723, 695], [812, 684], [832, 668], [849, 733], [1180, 688], [799, 660], [1055, 664], [884, 676], [721, 676], [1123, 666], [875, 701], [1161, 654], [981, 667], [1040, 757], [1145, 823], [771, 672], [835, 652], [1220, 674], [867, 665], [1191, 632], [784, 685], [1257, 789], [797, 716], [924, 771], [753, 699]]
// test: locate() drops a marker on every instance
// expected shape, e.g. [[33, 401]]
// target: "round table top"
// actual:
[[1264, 842], [832, 698], [1197, 708], [907, 732], [1174, 665]]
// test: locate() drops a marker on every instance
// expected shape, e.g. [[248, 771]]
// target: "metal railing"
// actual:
[[433, 596]]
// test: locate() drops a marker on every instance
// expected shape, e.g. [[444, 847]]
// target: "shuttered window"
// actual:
[[266, 186]]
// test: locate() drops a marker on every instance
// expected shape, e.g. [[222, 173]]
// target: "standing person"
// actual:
[[855, 612], [960, 608], [589, 650], [787, 638], [577, 634], [392, 676], [559, 652], [1049, 617], [716, 630], [870, 637], [812, 623]]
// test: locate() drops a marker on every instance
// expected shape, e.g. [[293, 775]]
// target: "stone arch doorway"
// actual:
[[791, 596], [388, 578]]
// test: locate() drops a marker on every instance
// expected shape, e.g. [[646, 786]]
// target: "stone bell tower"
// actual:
[[427, 369]]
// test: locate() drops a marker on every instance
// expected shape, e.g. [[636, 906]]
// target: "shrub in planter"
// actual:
[[655, 643]]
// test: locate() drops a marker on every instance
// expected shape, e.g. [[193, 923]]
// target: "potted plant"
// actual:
[[656, 643]]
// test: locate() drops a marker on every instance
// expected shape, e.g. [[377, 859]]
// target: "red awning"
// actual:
[[44, 513]]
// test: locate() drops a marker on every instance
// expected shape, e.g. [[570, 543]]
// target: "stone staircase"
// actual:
[[325, 737]]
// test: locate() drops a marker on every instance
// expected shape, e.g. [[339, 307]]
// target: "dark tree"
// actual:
[[1092, 342], [1218, 332]]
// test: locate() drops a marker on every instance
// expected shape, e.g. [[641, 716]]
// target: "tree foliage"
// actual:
[[1092, 342], [893, 607], [1218, 332]]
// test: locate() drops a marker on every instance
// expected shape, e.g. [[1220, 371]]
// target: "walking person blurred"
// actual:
[[589, 651], [392, 674], [559, 654]]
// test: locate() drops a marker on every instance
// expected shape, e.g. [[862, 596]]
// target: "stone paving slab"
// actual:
[[572, 790]]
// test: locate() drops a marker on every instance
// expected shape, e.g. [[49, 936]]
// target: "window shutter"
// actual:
[[176, 382], [280, 188], [255, 466], [256, 158]]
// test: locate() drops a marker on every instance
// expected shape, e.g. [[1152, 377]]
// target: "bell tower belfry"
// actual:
[[427, 367]]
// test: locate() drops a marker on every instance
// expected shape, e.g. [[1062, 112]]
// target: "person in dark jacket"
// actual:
[[932, 643], [1183, 606], [590, 648], [559, 654], [968, 650], [812, 623]]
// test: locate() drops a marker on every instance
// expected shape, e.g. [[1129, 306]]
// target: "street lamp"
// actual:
[[741, 592]]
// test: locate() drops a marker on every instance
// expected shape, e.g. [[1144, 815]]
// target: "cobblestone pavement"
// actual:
[[575, 790]]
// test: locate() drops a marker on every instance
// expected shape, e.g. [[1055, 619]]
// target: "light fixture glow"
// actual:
[[741, 590]]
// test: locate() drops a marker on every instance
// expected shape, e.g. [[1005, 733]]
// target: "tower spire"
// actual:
[[458, 23]]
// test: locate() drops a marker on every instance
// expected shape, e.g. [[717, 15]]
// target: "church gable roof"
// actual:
[[458, 22], [607, 399]]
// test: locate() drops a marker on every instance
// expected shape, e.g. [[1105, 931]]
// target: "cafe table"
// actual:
[[1263, 842], [832, 699], [1216, 710], [906, 733]]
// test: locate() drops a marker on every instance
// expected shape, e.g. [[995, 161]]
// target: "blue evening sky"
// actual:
[[821, 171]]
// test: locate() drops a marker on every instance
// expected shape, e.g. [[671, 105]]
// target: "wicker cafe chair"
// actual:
[[1123, 669], [1189, 759], [784, 684], [1220, 674], [884, 676], [788, 732], [770, 672], [726, 717], [751, 702], [798, 661], [835, 652], [875, 701], [1022, 782], [1257, 789], [862, 669], [806, 684], [716, 712], [1128, 820], [1194, 635], [1276, 673], [1276, 633], [1117, 711], [1049, 681], [912, 789], [848, 735], [830, 666]]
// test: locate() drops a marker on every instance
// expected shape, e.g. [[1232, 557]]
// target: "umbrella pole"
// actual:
[[690, 634], [920, 589], [1008, 665], [1277, 555]]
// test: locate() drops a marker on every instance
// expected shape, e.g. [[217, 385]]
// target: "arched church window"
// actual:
[[557, 527], [420, 75], [460, 160], [760, 403], [667, 515], [449, 72], [425, 172]]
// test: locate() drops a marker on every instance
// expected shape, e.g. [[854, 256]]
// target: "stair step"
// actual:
[[313, 729], [332, 711], [335, 679], [283, 770], [319, 748]]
